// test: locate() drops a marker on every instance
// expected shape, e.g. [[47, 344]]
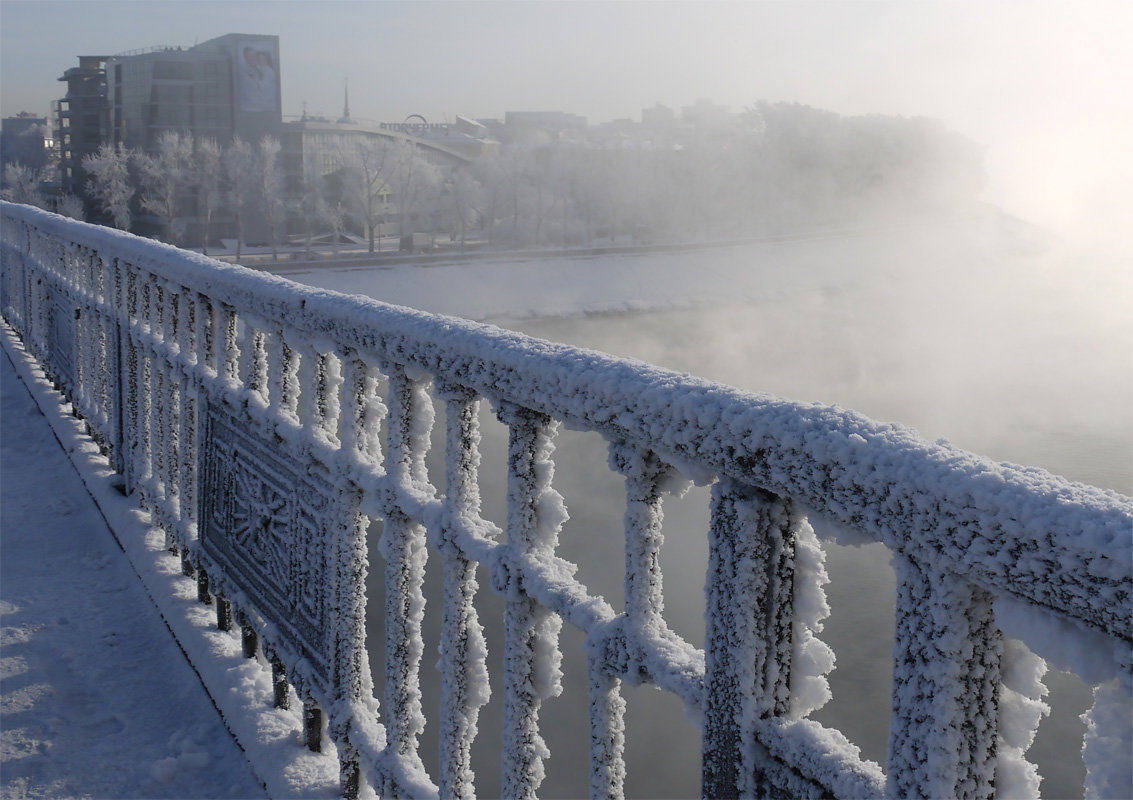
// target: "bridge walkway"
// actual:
[[96, 698]]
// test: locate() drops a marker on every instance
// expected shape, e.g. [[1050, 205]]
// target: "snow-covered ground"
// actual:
[[98, 699]]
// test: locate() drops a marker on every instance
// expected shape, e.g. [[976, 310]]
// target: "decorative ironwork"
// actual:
[[269, 519]]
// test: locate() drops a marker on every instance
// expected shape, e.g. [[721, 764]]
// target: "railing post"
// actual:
[[946, 675], [249, 639], [203, 595], [280, 689], [749, 634], [312, 725], [223, 614]]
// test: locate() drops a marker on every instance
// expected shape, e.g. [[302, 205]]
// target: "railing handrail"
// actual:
[[813, 453], [216, 365]]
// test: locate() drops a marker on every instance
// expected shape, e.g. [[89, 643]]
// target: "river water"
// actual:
[[1003, 341]]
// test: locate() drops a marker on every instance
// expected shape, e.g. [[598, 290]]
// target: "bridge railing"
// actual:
[[248, 412]]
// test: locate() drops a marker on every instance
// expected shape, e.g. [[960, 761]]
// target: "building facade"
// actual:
[[23, 140], [219, 89], [82, 121]]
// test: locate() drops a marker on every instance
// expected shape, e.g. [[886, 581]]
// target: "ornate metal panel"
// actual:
[[271, 522]]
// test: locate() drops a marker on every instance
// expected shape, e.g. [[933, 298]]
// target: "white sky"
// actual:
[[1045, 85]]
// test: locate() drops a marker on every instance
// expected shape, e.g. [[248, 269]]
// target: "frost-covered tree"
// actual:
[[239, 164], [489, 173], [459, 197], [415, 183], [335, 211], [21, 185], [206, 175], [164, 176], [311, 205], [109, 182], [539, 181], [70, 206], [269, 184], [367, 167]]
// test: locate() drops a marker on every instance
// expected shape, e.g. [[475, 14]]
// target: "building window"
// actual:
[[173, 70]]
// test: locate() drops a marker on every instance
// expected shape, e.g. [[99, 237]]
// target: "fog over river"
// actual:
[[981, 330]]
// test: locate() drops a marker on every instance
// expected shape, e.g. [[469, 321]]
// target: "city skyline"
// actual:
[[1042, 85]]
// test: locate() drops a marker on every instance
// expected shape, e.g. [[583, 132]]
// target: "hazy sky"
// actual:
[[1045, 85]]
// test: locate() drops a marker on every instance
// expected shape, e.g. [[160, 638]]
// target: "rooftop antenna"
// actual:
[[346, 101]]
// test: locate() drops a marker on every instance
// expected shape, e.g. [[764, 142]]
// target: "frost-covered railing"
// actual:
[[246, 410]]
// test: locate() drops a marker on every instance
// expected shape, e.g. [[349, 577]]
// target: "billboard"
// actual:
[[257, 75]]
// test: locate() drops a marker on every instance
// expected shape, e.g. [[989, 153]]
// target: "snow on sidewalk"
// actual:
[[97, 699]]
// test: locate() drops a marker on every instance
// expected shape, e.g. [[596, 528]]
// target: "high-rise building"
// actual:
[[222, 88], [22, 140], [225, 87], [82, 120]]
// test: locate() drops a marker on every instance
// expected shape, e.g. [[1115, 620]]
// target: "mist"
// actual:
[[1043, 86]]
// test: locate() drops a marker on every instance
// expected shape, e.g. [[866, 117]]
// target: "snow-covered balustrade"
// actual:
[[247, 412]]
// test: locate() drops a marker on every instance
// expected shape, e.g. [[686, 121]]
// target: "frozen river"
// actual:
[[979, 331]]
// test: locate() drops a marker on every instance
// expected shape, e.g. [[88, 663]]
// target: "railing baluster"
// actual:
[[1021, 709], [361, 420], [308, 386], [748, 637], [463, 649], [276, 366], [145, 389], [188, 415], [171, 416], [945, 686], [531, 656], [644, 605], [643, 471], [403, 547], [159, 407], [607, 730], [131, 370], [228, 355], [289, 388], [329, 397], [1109, 735], [207, 350]]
